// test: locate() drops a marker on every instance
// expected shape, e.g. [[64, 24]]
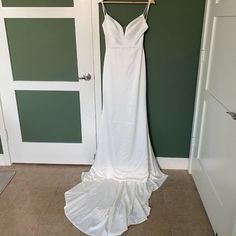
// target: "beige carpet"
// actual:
[[5, 179], [33, 204]]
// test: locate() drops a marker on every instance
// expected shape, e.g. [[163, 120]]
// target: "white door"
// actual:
[[49, 114], [214, 159]]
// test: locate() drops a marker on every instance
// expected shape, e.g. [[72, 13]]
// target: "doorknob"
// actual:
[[232, 114], [85, 76]]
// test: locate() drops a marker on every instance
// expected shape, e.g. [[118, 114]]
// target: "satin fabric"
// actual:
[[115, 192]]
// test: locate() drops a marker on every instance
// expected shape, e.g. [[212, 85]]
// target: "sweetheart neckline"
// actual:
[[125, 27]]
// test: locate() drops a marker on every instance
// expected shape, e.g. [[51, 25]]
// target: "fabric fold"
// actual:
[[106, 207]]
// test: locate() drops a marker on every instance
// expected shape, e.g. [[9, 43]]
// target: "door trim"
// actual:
[[5, 159], [201, 81], [96, 64]]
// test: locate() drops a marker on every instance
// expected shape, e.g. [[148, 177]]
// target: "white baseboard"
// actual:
[[164, 162], [3, 161], [173, 163]]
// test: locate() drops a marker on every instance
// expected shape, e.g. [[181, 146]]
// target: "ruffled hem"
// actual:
[[106, 207]]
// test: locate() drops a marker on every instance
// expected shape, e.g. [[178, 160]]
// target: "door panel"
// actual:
[[37, 3], [49, 114], [217, 158], [222, 61], [215, 167], [42, 49]]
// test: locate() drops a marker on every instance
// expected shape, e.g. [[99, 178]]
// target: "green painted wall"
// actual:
[[1, 151], [172, 45]]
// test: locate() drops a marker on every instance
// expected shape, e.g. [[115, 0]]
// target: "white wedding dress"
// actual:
[[115, 192]]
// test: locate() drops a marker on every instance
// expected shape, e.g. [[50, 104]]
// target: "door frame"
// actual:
[[5, 159], [201, 82]]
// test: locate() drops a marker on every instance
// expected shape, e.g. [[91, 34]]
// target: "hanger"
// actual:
[[130, 2]]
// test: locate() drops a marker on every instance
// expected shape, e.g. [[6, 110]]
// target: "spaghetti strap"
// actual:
[[145, 12], [104, 9]]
